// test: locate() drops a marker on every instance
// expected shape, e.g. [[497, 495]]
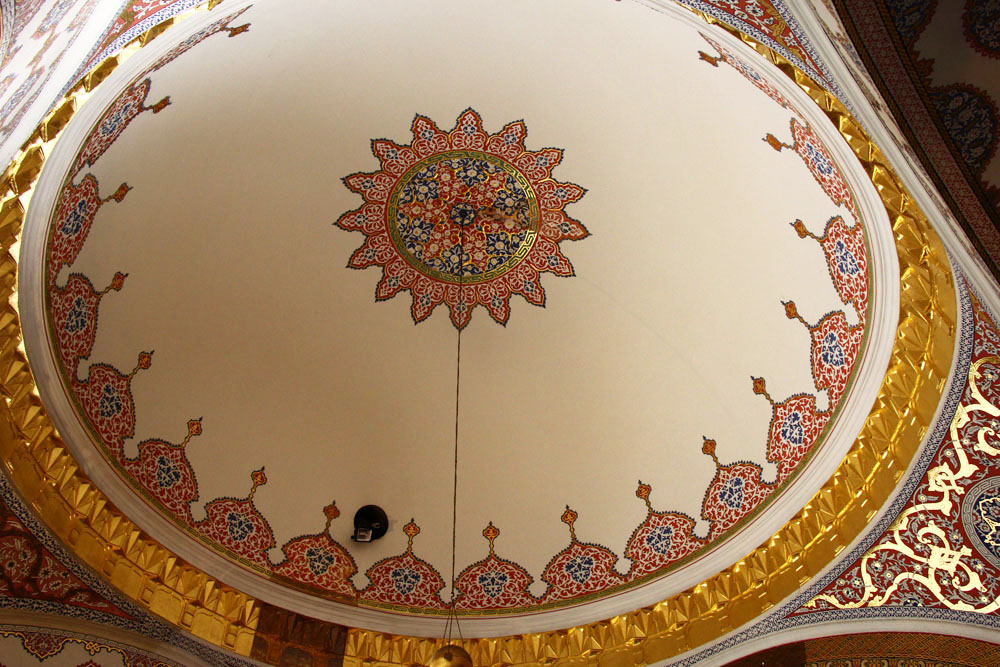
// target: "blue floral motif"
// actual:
[[499, 246], [110, 404], [426, 206], [239, 526], [416, 233], [493, 583], [405, 579], [732, 492], [472, 171], [830, 350], [579, 568], [462, 215], [423, 186], [982, 22], [844, 258], [167, 473], [971, 121], [451, 259], [112, 122], [74, 220], [910, 16], [987, 520], [319, 560], [76, 319], [818, 160], [510, 200], [659, 539], [791, 428]]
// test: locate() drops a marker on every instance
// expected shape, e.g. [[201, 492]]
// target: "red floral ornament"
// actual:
[[463, 218]]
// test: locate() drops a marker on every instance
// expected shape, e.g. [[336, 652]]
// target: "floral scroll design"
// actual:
[[981, 23], [923, 559]]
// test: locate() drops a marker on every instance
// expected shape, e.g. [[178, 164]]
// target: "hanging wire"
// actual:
[[452, 621]]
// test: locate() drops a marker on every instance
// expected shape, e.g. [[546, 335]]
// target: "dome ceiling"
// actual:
[[637, 299]]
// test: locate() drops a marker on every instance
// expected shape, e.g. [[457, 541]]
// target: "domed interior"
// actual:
[[582, 296]]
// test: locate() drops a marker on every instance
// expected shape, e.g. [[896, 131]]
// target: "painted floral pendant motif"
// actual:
[[463, 218]]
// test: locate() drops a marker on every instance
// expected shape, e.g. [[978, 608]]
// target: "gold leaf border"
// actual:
[[77, 512], [40, 466]]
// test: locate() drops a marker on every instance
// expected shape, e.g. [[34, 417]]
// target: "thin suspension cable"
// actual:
[[454, 491], [452, 616]]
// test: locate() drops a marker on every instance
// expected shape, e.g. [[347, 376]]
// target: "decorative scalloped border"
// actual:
[[43, 643], [970, 24], [786, 617], [650, 634], [582, 571], [969, 515]]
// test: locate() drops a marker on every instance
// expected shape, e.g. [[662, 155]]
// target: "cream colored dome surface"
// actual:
[[596, 257]]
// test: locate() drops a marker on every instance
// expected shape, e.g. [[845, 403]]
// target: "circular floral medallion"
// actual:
[[981, 21], [981, 518], [464, 218]]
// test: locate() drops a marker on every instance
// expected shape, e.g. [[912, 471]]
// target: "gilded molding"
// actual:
[[43, 470], [81, 515]]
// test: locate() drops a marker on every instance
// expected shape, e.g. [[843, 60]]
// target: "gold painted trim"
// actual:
[[37, 461], [101, 536]]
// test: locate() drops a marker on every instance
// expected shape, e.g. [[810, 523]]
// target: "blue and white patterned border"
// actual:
[[145, 624], [150, 21], [6, 26], [777, 621], [823, 77]]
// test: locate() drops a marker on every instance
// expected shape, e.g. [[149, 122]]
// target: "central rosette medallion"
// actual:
[[463, 218]]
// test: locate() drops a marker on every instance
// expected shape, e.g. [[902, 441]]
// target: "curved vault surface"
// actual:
[[265, 273]]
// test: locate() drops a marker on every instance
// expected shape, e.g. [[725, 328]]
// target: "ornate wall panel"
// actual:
[[941, 89], [37, 36], [23, 644], [136, 17], [941, 550], [920, 561], [40, 576]]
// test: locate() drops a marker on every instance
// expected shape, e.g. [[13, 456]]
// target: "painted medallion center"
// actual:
[[463, 217]]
